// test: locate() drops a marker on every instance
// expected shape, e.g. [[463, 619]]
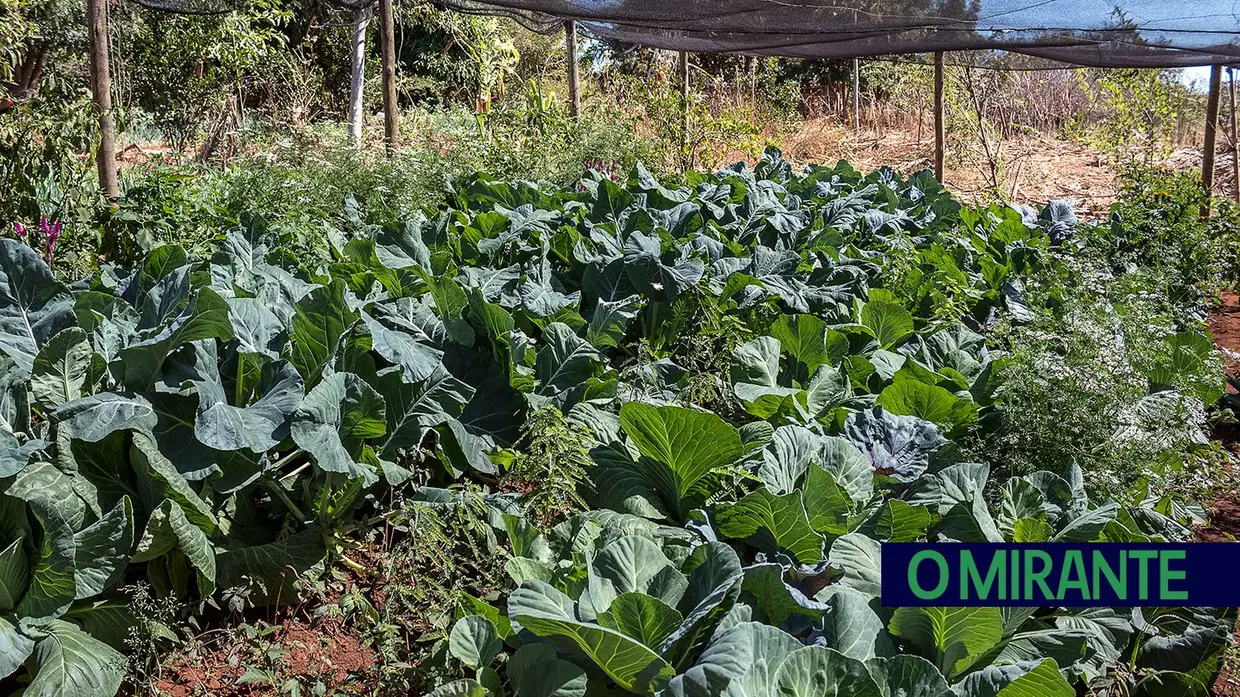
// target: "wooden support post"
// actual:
[[357, 79], [940, 133], [856, 94], [1211, 139], [1235, 145], [391, 114], [684, 97], [574, 84], [752, 64], [101, 90]]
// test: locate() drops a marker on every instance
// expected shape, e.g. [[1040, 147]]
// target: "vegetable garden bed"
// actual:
[[759, 376]]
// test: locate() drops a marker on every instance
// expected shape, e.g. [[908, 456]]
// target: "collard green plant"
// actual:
[[218, 424]]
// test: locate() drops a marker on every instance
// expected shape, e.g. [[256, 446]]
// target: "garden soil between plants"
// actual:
[[1224, 523], [1224, 325]]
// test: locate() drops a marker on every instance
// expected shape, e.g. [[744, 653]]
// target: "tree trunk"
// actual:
[[1235, 145], [387, 29], [217, 130], [574, 83], [26, 77], [101, 88], [358, 80], [684, 103], [1211, 136], [940, 135], [856, 94]]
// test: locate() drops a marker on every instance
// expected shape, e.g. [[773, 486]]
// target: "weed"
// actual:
[[551, 461]]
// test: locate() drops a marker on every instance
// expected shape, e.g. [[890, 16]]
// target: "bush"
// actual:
[[1156, 224], [314, 185], [1075, 390], [1117, 374]]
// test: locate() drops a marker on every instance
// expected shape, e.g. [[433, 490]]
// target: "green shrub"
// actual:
[[1076, 390], [1156, 224], [313, 185]]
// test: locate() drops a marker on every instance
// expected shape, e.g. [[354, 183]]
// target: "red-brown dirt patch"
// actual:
[[321, 650], [1224, 522], [1224, 514], [1225, 326]]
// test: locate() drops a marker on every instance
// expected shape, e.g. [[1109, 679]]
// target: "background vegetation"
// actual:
[[216, 110]]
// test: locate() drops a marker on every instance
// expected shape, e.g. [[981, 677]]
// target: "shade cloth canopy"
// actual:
[[1114, 33]]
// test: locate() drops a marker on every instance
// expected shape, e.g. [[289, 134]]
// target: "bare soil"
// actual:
[[1224, 514], [309, 650], [1036, 168], [310, 643], [1225, 326]]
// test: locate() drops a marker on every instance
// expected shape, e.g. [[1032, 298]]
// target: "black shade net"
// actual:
[[214, 7], [1115, 33]]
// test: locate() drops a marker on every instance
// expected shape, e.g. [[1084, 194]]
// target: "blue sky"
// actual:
[[1198, 77]]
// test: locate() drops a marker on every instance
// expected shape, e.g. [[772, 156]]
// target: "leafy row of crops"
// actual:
[[764, 405]]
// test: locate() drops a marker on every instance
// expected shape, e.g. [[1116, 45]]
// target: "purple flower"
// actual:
[[53, 234], [17, 228], [44, 227]]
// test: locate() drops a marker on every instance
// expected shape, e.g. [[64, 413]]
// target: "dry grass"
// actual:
[[1035, 167]]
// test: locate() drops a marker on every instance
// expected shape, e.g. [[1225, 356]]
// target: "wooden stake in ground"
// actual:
[[358, 77], [684, 96], [1235, 145], [387, 31], [856, 94], [1207, 155], [940, 133], [101, 89], [574, 86], [752, 66]]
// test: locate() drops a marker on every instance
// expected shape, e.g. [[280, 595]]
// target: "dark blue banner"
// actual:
[[1195, 574]]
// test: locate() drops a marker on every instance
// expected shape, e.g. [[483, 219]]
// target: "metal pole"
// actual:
[[1207, 155], [387, 37], [940, 134], [574, 86], [684, 96], [101, 90], [1235, 146], [856, 94]]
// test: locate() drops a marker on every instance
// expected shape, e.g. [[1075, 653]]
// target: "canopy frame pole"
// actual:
[[684, 97], [357, 78], [391, 112], [574, 84], [1235, 146], [101, 92], [940, 133], [856, 94], [1211, 137]]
